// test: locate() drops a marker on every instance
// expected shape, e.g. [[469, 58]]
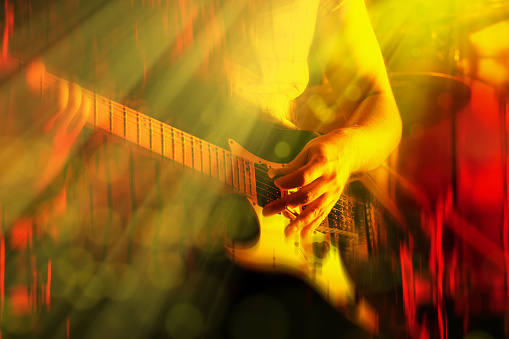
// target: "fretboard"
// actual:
[[170, 142]]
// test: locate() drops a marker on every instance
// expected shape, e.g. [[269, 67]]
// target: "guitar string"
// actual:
[[129, 112], [262, 187], [177, 146], [124, 112], [119, 108], [223, 165]]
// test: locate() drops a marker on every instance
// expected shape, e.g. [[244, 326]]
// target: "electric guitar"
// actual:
[[362, 223]]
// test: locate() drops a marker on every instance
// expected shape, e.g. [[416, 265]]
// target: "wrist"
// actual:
[[356, 145]]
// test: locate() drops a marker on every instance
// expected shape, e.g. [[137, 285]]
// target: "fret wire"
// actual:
[[137, 128], [242, 165], [224, 161], [250, 184], [243, 174], [232, 170], [192, 153], [183, 150], [238, 173], [210, 160], [228, 162], [162, 139], [125, 124], [201, 155], [217, 163], [111, 117], [174, 151], [150, 131]]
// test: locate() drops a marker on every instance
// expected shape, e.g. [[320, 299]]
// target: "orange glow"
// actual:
[[19, 234], [19, 300], [125, 229]]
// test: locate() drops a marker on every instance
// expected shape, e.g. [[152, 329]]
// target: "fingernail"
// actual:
[[271, 173]]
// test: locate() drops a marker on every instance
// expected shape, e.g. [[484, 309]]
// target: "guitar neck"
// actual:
[[170, 142]]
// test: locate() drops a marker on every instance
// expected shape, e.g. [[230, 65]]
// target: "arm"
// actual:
[[364, 131]]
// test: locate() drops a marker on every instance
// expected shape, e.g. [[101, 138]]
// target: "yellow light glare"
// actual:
[[282, 149], [325, 114], [315, 102]]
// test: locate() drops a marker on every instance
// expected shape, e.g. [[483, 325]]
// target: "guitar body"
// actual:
[[328, 260], [274, 251]]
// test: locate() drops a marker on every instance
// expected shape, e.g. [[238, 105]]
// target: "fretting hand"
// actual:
[[37, 132], [319, 173]]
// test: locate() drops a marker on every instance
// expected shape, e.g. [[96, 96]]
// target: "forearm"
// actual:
[[371, 128], [374, 131], [366, 119]]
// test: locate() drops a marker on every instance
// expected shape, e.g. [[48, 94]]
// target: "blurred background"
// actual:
[[448, 63]]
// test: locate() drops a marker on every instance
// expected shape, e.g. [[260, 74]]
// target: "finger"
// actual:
[[312, 212], [302, 197], [313, 225], [307, 194], [301, 177]]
